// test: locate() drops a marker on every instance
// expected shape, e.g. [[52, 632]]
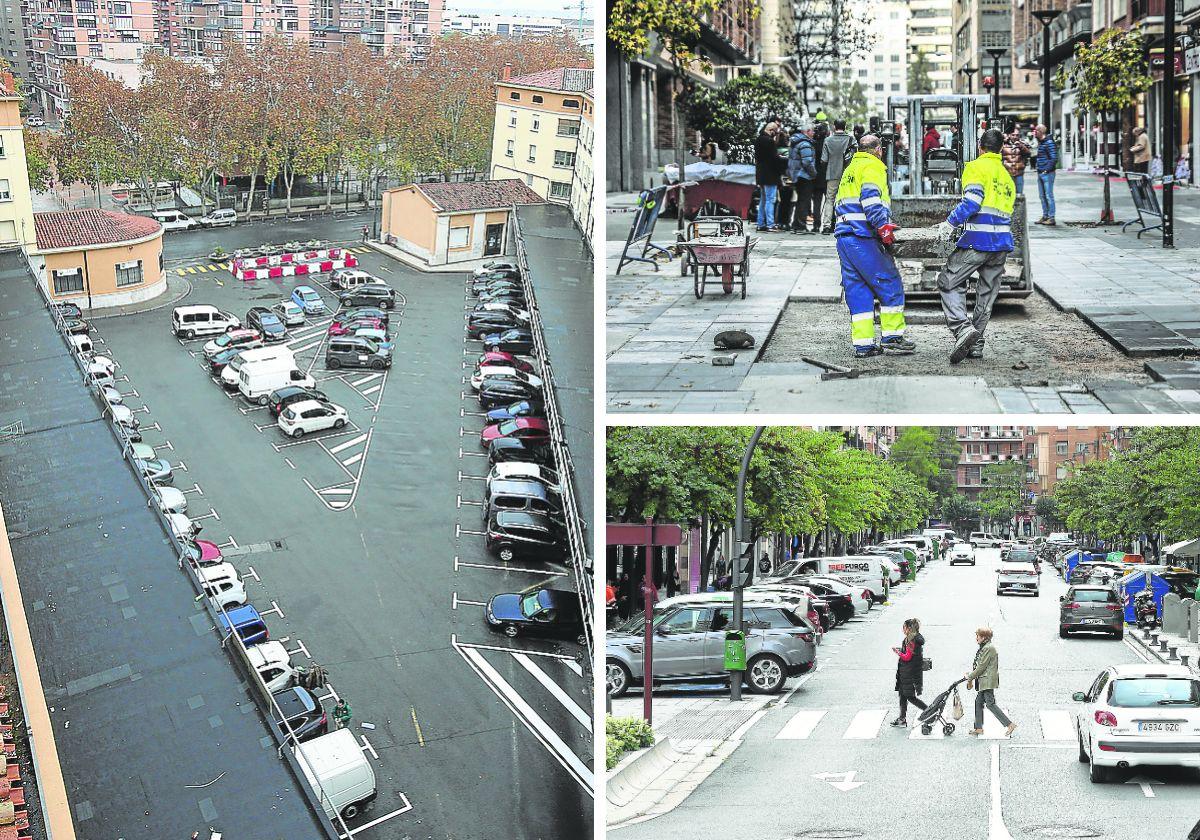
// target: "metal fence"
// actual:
[[580, 559]]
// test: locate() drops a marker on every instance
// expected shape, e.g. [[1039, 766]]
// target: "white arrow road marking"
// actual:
[[841, 781], [996, 828], [1145, 783], [801, 725]]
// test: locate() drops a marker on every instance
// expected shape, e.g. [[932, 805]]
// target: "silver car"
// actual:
[[689, 646], [1095, 608]]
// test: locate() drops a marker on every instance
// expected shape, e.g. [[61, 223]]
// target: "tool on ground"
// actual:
[[831, 370]]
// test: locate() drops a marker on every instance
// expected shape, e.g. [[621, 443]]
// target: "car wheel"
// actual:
[[1063, 633], [616, 678], [332, 364], [350, 811], [189, 334], [1120, 634], [506, 554], [999, 592], [297, 432], [1097, 773], [1083, 757], [262, 400], [511, 631], [377, 364], [766, 674], [339, 423]]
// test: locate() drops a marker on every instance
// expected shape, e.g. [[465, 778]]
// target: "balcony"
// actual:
[[1068, 29]]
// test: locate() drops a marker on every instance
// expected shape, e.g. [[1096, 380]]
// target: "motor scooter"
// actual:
[[1144, 611]]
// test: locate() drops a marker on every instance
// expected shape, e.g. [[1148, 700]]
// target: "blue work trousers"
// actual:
[[868, 274]]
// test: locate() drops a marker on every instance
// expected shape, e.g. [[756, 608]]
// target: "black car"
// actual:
[[494, 391], [513, 533], [483, 323], [369, 294], [518, 341], [281, 399], [542, 612], [481, 286], [267, 323], [76, 326], [515, 449], [67, 310], [217, 363], [302, 711]]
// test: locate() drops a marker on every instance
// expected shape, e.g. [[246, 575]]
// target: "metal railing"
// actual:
[[576, 540]]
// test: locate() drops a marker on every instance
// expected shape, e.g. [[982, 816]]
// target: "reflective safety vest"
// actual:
[[985, 211], [862, 203]]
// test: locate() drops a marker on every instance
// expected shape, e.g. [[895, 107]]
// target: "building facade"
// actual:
[[984, 446], [777, 33], [929, 34], [883, 72], [518, 25], [98, 258], [535, 137], [583, 176], [16, 202], [1080, 141], [977, 26]]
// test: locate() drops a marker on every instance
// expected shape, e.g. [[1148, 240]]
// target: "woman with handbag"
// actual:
[[909, 669]]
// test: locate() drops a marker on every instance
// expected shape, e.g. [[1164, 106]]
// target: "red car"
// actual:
[[354, 324], [533, 430], [202, 552], [497, 358]]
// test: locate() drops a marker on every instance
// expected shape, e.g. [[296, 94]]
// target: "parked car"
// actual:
[[219, 218], [273, 664], [158, 470], [173, 220], [494, 358], [302, 712], [357, 351], [289, 312], [267, 323], [76, 326], [281, 399], [981, 539], [515, 449], [512, 533], [353, 325], [182, 527], [962, 552], [248, 624], [495, 392], [109, 394], [483, 374], [240, 339], [1017, 577], [521, 408], [307, 299], [201, 319], [510, 341], [66, 309], [357, 312], [1095, 608], [350, 278], [503, 294], [528, 429], [543, 612], [690, 644], [483, 323], [522, 494], [218, 362], [520, 470], [201, 552], [841, 602], [497, 265], [502, 283], [124, 418], [222, 583], [502, 306], [168, 499], [35, 122], [370, 294], [302, 418], [1139, 715]]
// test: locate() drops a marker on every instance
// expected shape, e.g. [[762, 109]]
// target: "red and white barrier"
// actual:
[[292, 265]]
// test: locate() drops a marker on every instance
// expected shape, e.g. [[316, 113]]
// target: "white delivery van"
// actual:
[[231, 373], [193, 321], [865, 571], [338, 770], [173, 220], [256, 380]]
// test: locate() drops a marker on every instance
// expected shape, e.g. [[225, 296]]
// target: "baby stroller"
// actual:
[[936, 711]]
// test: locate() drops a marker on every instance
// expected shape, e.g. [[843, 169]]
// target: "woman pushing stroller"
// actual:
[[909, 669]]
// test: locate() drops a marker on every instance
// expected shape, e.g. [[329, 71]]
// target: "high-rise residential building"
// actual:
[[12, 37], [777, 22], [929, 34], [883, 71], [984, 446], [405, 26], [583, 176], [517, 26], [537, 129]]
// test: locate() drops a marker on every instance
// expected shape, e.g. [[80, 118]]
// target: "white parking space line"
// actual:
[[542, 572], [180, 466], [464, 477], [335, 450], [533, 722], [308, 345], [331, 693], [371, 390], [274, 609], [1057, 725], [407, 807], [368, 378], [455, 601], [462, 501], [801, 725], [366, 747], [865, 725], [555, 689], [459, 530], [195, 488], [353, 459], [212, 514], [301, 648], [252, 573]]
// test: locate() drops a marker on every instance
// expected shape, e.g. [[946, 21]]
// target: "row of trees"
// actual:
[[277, 110], [801, 482], [1147, 490]]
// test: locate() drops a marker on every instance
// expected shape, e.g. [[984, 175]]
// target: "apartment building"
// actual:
[[537, 129], [16, 203], [929, 33], [983, 446], [583, 176], [979, 25], [777, 22], [883, 71], [517, 26]]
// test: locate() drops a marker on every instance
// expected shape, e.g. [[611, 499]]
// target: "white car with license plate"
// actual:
[[497, 371], [962, 553], [300, 418], [1139, 715], [519, 470], [1017, 577]]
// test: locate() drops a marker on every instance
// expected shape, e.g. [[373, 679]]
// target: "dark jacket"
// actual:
[[1047, 154], [802, 158], [909, 676], [768, 165]]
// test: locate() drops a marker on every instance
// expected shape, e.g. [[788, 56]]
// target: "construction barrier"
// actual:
[[292, 265]]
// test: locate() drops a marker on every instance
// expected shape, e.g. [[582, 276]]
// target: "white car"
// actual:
[[962, 553], [497, 265], [109, 394], [508, 470], [222, 584], [1139, 715], [520, 313], [509, 373], [123, 415], [300, 418], [981, 540], [1017, 577], [219, 218], [182, 527], [859, 596], [273, 664], [289, 313], [34, 122], [168, 499]]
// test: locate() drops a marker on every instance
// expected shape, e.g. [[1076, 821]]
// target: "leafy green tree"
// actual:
[[930, 453], [847, 99], [1047, 508], [733, 114], [1003, 493], [957, 509], [1109, 74], [38, 161], [919, 80]]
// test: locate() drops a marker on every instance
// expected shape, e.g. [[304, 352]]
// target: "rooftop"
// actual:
[[83, 228], [478, 195], [576, 79]]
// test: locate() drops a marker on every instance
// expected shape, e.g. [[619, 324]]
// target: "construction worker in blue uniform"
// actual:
[[982, 223], [863, 229]]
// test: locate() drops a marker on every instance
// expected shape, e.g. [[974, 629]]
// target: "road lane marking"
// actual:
[[865, 725], [369, 378], [555, 689], [801, 725], [353, 459], [543, 572], [417, 725], [366, 747], [335, 450], [1057, 725], [996, 828], [407, 807], [455, 601]]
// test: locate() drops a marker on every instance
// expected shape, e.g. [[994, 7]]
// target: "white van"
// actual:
[[339, 772], [231, 372], [173, 219], [219, 218], [202, 319], [256, 380], [223, 584], [865, 571], [80, 343], [938, 533]]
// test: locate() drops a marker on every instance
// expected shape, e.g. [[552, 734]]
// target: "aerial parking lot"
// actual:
[[360, 533]]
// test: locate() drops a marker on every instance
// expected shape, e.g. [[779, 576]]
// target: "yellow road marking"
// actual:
[[191, 270], [417, 726], [179, 271]]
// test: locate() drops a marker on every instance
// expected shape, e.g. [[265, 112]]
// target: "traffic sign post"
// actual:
[[744, 557]]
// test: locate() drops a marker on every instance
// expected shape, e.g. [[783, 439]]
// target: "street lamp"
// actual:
[[739, 581], [1168, 126], [995, 53], [970, 72], [1045, 16]]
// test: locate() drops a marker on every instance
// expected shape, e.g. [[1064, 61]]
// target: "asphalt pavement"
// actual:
[[825, 763], [363, 546]]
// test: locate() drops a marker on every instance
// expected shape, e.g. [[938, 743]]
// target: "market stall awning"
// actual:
[[1184, 548]]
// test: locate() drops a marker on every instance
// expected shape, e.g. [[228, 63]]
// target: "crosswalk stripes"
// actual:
[[868, 724], [801, 725], [865, 725], [1057, 725]]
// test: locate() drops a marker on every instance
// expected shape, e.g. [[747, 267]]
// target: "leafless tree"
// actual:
[[828, 33]]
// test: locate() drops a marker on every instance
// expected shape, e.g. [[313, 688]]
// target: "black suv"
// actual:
[[495, 391], [513, 533], [281, 399], [370, 294], [302, 711], [267, 323]]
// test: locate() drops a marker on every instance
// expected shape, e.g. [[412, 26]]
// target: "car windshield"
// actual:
[[371, 344], [310, 295], [1094, 595], [1146, 692], [224, 340], [507, 428], [530, 606]]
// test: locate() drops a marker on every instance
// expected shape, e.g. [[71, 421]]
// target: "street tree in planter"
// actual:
[[1003, 493], [846, 99], [1108, 74], [733, 114]]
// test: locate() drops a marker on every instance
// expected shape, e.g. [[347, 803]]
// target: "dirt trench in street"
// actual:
[[1027, 343]]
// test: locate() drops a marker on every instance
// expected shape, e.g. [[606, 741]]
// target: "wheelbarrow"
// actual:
[[724, 257]]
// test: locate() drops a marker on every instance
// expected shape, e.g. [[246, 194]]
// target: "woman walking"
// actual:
[[985, 673], [1141, 151], [909, 675]]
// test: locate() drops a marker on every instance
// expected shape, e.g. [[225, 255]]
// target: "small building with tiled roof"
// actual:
[[535, 135], [98, 258], [452, 222]]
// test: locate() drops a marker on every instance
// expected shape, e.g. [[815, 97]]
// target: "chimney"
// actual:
[[505, 74]]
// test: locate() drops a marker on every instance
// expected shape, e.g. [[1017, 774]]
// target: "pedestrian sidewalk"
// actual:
[[1158, 644]]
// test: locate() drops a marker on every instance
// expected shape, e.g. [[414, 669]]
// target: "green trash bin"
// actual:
[[735, 651]]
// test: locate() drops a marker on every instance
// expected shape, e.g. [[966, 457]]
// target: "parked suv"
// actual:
[[980, 539], [357, 351], [689, 646], [370, 294], [962, 553], [1091, 608], [519, 533], [527, 495], [302, 711]]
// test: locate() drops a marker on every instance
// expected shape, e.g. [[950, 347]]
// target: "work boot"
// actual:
[[866, 351], [898, 345], [963, 342], [976, 351]]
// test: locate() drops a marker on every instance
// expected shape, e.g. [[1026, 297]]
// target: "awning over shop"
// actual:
[[1184, 548]]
